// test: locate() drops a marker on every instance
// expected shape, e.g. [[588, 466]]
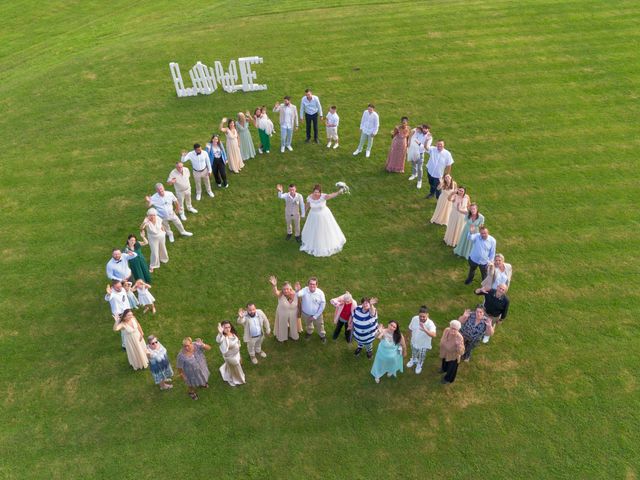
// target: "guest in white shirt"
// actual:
[[288, 121], [313, 303], [118, 301], [439, 165], [118, 265], [420, 142], [256, 327], [164, 203], [201, 169], [422, 331], [179, 178], [310, 107], [332, 121], [368, 129]]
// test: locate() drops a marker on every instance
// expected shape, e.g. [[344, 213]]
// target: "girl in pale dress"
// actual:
[[391, 349], [153, 232], [473, 218], [321, 235], [192, 365], [443, 208], [459, 200], [229, 343], [144, 296], [133, 301], [247, 150], [159, 364], [288, 323], [399, 144], [133, 337], [234, 157]]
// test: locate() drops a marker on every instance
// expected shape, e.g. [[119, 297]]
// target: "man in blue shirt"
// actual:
[[483, 249], [310, 109]]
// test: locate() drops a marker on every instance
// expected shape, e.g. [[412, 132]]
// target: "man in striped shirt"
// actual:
[[364, 325]]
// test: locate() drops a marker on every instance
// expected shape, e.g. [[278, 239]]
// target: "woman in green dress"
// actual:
[[474, 218], [139, 267], [247, 150]]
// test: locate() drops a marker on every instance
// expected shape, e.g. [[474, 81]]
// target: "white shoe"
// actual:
[[335, 146], [412, 177], [198, 196], [357, 152], [211, 194], [377, 380], [418, 370], [281, 149], [486, 339], [289, 148], [254, 360], [367, 153], [410, 363], [260, 150], [183, 217], [329, 145], [419, 184], [186, 234], [171, 238], [192, 210], [263, 355]]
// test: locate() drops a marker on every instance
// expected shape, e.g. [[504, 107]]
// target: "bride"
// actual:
[[321, 235]]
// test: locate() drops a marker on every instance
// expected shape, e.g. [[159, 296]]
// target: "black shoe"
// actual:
[[323, 339], [299, 239], [430, 195], [468, 281], [307, 140], [316, 141], [357, 352], [307, 336], [288, 236], [369, 355], [444, 382], [441, 371]]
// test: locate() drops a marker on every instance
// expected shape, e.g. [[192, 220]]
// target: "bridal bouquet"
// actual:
[[344, 188]]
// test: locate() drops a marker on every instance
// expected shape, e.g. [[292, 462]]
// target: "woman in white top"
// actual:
[[321, 235], [498, 273]]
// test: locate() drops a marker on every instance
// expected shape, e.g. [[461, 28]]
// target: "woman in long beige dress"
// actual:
[[287, 324], [133, 337], [153, 232], [459, 200], [229, 343], [234, 157], [443, 208]]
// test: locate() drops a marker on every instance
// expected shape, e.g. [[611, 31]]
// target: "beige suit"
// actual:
[[254, 343], [293, 211]]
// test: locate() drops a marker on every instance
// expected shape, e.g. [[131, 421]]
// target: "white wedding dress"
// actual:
[[321, 235]]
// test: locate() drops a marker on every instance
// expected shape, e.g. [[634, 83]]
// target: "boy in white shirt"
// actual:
[[422, 331], [332, 120]]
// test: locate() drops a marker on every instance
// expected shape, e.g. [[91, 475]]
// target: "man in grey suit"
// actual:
[[293, 211]]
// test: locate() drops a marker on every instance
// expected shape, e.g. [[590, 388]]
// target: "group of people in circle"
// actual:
[[301, 309]]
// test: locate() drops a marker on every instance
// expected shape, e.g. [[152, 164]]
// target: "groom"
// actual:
[[293, 210]]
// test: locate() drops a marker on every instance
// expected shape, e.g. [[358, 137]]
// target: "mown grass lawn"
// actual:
[[538, 102]]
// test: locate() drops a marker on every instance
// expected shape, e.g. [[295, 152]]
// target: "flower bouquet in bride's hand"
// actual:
[[344, 188]]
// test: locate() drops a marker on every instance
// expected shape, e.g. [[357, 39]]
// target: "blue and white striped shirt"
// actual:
[[365, 326]]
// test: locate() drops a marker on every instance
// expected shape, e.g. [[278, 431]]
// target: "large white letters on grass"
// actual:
[[205, 80]]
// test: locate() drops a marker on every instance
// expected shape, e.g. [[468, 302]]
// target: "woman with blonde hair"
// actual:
[[443, 208], [451, 349], [498, 273], [459, 200], [345, 306], [247, 150], [159, 364], [192, 365], [472, 218], [287, 323]]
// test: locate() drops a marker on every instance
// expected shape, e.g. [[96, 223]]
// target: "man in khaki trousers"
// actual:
[[313, 303], [293, 210], [256, 326]]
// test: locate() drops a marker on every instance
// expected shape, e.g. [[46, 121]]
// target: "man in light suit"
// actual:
[[293, 211], [288, 121], [256, 326]]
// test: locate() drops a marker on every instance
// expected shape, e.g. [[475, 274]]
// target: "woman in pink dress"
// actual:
[[399, 144], [234, 157]]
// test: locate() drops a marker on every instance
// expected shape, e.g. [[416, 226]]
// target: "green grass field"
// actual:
[[538, 102]]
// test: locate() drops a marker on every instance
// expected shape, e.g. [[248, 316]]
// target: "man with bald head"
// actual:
[[179, 178]]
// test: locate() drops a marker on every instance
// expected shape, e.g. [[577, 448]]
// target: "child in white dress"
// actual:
[[144, 296], [133, 301]]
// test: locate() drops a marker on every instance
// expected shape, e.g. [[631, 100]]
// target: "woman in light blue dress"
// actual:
[[159, 363], [247, 150], [474, 218], [391, 349]]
